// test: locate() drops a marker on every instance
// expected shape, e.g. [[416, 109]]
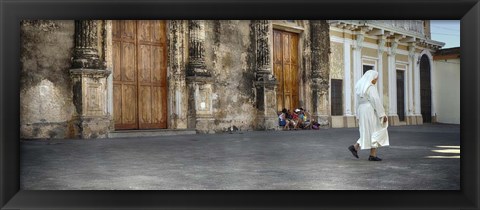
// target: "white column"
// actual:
[[392, 82], [411, 62], [381, 49], [357, 63], [347, 84], [416, 74]]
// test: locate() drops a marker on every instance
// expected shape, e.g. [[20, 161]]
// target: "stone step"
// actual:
[[150, 133]]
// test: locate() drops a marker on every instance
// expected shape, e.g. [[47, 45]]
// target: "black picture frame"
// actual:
[[12, 12]]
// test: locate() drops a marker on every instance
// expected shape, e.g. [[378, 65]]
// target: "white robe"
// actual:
[[370, 113]]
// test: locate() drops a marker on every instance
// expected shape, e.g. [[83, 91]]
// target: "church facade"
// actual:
[[401, 51], [95, 78]]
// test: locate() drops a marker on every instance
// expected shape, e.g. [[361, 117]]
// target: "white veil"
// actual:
[[365, 82]]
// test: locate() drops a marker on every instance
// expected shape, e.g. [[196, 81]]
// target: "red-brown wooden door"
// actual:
[[285, 65], [139, 74]]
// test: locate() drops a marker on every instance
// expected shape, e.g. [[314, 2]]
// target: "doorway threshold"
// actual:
[[150, 133]]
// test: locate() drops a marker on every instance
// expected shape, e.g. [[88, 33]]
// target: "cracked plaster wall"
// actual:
[[46, 106]]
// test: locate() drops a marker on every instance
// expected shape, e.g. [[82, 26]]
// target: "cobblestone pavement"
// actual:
[[420, 158]]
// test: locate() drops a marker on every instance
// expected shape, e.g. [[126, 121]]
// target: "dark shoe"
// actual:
[[352, 149], [371, 158]]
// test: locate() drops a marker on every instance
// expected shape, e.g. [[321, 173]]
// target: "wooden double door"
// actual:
[[139, 74], [285, 66]]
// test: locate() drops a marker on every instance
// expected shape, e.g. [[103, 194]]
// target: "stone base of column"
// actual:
[[410, 120], [337, 121], [205, 125], [200, 102], [323, 120], [419, 119], [434, 119], [266, 122], [267, 118], [91, 127], [393, 120], [350, 121], [414, 120], [89, 97]]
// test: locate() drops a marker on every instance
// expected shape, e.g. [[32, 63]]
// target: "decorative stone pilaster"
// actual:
[[263, 36], [199, 80], [265, 83], [89, 79], [177, 77], [196, 49], [320, 48]]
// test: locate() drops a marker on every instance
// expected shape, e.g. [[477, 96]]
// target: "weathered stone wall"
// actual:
[[231, 57], [46, 106], [336, 61], [320, 38], [306, 67]]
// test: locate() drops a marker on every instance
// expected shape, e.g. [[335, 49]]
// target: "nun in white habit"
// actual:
[[371, 117]]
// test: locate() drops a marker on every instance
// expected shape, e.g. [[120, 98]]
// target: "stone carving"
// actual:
[[199, 79], [262, 32], [174, 28], [411, 50], [263, 74], [265, 82], [86, 53], [381, 44], [410, 26], [89, 78], [204, 102], [196, 50], [359, 41], [393, 48]]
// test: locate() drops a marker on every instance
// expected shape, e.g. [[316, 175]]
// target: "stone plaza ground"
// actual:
[[425, 157]]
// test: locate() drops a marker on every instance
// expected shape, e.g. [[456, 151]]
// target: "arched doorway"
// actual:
[[425, 89]]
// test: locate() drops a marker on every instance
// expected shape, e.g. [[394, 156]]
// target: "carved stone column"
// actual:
[[89, 79], [177, 81], [199, 81], [320, 47], [196, 49], [265, 83], [86, 52]]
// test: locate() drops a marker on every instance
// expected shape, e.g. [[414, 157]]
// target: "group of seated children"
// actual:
[[296, 120]]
